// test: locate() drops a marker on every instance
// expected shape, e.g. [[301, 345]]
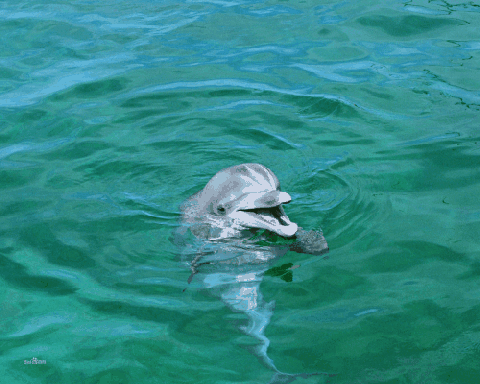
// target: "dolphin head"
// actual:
[[246, 196]]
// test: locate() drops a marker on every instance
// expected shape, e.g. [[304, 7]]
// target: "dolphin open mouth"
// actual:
[[271, 215], [273, 218]]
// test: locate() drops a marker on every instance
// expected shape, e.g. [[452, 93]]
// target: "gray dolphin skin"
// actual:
[[225, 237]]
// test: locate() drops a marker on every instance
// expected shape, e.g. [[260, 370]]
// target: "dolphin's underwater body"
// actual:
[[239, 208]]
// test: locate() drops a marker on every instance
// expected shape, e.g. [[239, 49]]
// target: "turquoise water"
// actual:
[[113, 113]]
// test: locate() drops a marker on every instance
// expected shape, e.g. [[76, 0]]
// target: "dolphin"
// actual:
[[243, 198], [225, 235]]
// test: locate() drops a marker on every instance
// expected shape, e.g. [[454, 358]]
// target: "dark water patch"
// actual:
[[146, 113], [471, 318], [452, 137], [62, 126], [351, 134], [229, 93], [445, 318], [424, 250], [16, 275], [207, 324], [380, 95], [114, 375], [438, 163], [47, 30], [62, 182], [393, 260], [15, 24], [321, 106], [175, 320], [467, 373], [72, 53], [119, 38], [99, 88], [8, 344], [381, 340], [23, 207], [77, 150], [341, 279], [40, 33], [166, 125], [45, 35], [343, 163], [397, 181], [283, 271], [371, 241], [342, 143], [165, 101], [149, 289], [404, 26], [14, 178], [93, 89], [148, 351], [43, 239], [307, 360], [32, 115], [360, 345], [324, 31], [88, 353], [330, 284], [450, 155], [473, 273], [164, 114], [9, 73]]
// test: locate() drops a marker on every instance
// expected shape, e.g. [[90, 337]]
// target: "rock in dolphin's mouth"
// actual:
[[274, 219]]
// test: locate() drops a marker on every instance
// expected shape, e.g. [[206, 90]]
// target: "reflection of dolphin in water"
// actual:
[[239, 228]]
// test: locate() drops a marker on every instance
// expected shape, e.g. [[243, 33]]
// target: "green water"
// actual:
[[113, 113]]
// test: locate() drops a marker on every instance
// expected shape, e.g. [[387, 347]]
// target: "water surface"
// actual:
[[113, 113]]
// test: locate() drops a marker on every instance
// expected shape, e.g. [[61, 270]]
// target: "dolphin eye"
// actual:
[[221, 210]]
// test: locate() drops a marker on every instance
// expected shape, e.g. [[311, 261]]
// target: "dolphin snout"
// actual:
[[284, 198]]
